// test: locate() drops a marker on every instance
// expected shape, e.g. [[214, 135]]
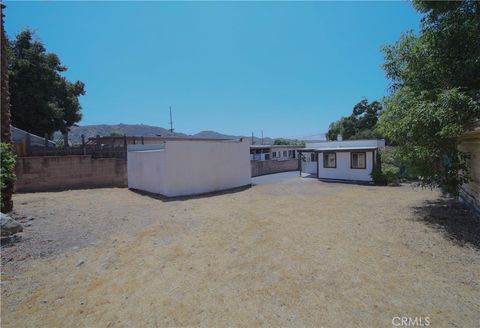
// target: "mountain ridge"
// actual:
[[92, 130]]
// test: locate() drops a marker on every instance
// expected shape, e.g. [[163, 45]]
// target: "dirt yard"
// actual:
[[293, 253]]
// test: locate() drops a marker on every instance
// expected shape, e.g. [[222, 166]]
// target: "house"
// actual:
[[469, 142], [23, 141], [273, 152], [20, 136], [179, 167], [351, 160], [121, 141]]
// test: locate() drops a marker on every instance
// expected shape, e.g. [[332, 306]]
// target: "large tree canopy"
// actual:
[[435, 91], [42, 100], [360, 125]]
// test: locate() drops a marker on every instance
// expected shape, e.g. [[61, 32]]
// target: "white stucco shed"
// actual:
[[189, 166]]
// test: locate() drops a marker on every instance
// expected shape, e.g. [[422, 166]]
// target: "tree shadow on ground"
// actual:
[[457, 221]]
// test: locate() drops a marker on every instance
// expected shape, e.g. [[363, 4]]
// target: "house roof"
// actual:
[[19, 136], [273, 146], [347, 145], [341, 148]]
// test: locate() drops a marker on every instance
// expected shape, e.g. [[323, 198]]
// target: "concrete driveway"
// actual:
[[276, 177]]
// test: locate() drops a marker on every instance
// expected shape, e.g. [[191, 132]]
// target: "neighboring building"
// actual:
[[23, 141], [120, 141], [470, 142], [179, 167], [273, 152], [20, 136], [351, 160]]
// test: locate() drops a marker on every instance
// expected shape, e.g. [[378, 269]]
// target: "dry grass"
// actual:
[[294, 253]]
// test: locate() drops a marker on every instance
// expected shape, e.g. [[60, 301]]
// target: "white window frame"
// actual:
[[357, 166]]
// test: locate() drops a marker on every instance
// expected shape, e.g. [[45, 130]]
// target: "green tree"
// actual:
[[360, 124], [42, 100], [435, 91], [289, 142], [116, 133]]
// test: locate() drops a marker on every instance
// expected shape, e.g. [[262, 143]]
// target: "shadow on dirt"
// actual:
[[197, 196], [456, 220], [10, 241]]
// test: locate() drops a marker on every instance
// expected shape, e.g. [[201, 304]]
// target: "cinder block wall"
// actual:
[[50, 173], [273, 166]]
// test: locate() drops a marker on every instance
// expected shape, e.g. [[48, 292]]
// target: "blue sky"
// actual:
[[287, 68]]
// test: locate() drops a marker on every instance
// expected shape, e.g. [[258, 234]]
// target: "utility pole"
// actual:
[[253, 142], [171, 122], [262, 137]]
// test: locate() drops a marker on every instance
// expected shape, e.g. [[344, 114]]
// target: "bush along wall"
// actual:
[[7, 176]]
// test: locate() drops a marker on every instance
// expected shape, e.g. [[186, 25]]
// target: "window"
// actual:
[[293, 153], [329, 160], [284, 153], [274, 154], [358, 161], [313, 157], [267, 157]]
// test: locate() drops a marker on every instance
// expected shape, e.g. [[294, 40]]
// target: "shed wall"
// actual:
[[186, 167], [146, 171], [196, 167]]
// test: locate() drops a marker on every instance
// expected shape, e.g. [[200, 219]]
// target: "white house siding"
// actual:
[[187, 167], [343, 171], [470, 192]]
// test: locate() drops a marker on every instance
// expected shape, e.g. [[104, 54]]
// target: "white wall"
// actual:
[[308, 166], [343, 170], [189, 167], [146, 170]]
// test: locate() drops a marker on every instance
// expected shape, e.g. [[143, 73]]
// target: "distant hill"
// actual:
[[90, 131], [217, 135]]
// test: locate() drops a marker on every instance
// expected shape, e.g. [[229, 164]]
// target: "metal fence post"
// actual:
[[84, 151], [125, 146], [28, 144]]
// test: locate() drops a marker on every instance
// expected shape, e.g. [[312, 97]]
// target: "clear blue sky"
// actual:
[[287, 68]]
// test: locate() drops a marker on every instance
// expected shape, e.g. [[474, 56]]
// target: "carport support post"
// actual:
[[318, 162], [300, 162]]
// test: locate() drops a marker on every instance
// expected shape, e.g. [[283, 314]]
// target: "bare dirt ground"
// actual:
[[294, 253]]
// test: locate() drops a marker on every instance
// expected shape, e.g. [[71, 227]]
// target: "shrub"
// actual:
[[7, 171], [377, 175], [387, 169]]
